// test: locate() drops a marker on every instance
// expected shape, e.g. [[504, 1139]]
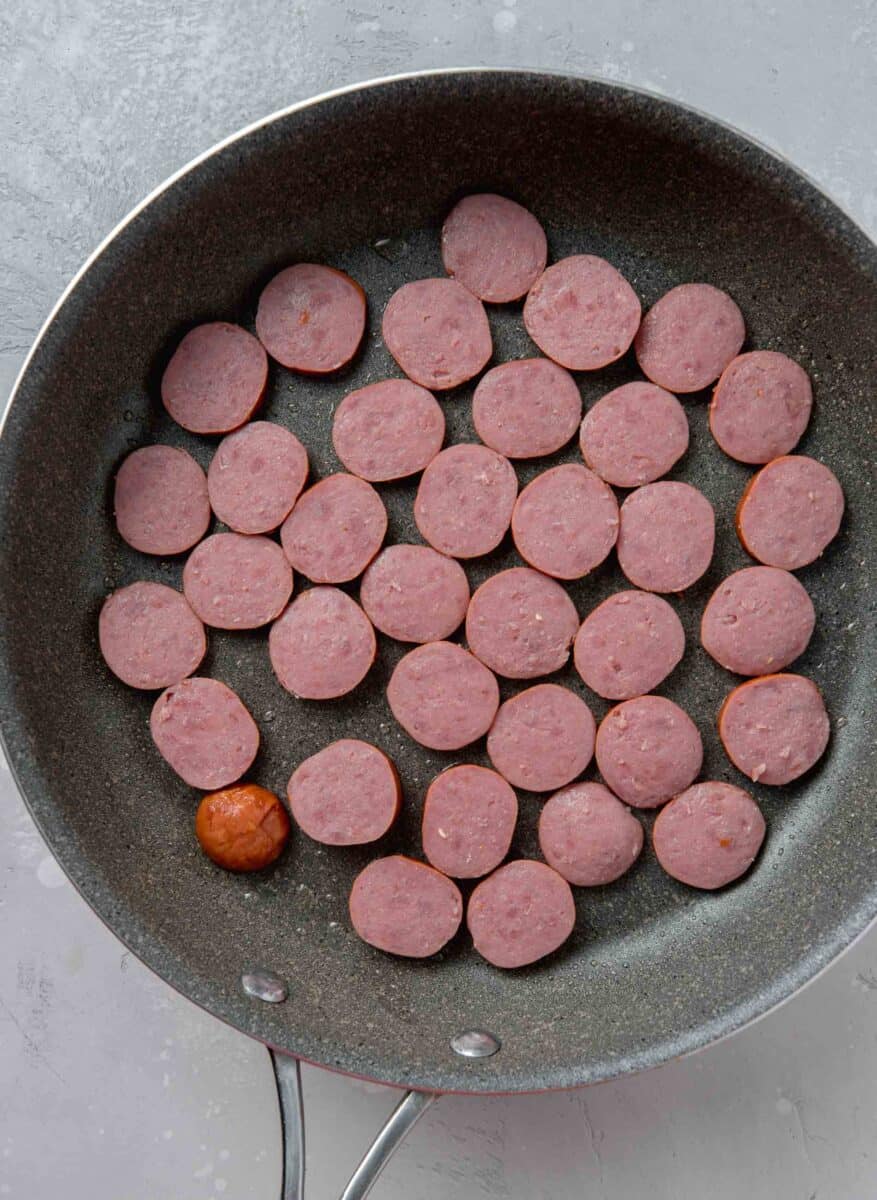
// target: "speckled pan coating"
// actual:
[[652, 969]]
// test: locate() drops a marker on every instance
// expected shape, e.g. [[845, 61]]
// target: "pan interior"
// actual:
[[362, 180]]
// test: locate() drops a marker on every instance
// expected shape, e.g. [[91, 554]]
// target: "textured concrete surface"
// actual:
[[112, 1086]]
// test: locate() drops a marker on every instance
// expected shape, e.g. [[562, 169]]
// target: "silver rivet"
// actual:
[[475, 1043], [264, 985]]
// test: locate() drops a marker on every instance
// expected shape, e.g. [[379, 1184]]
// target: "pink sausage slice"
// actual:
[[255, 477], [335, 529], [761, 406], [628, 645], [414, 594], [582, 313], [322, 646], [161, 500], [789, 512], [526, 408], [648, 750], [437, 331], [311, 318], [469, 817], [757, 621], [565, 522], [216, 378], [542, 738], [443, 696], [520, 913], [405, 907], [204, 732], [494, 247], [237, 582], [345, 795], [149, 636], [521, 624], [709, 835], [666, 537], [634, 434], [774, 728], [464, 503], [688, 338], [588, 835], [388, 430]]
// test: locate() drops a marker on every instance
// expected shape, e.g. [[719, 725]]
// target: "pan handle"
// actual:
[[404, 1116]]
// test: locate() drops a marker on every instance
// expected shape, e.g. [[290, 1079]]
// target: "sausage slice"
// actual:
[[666, 536], [789, 512], [414, 594], [335, 529], [648, 750], [526, 408], [565, 522], [256, 476], [521, 624], [216, 378], [405, 907], [388, 430], [761, 406], [469, 817], [774, 728], [237, 582], [346, 794], [709, 835], [311, 318], [204, 732], [588, 835], [634, 434], [322, 646], [757, 621], [494, 247], [465, 499], [542, 738], [628, 645], [161, 501], [688, 338], [149, 636], [242, 828], [443, 696], [520, 913], [437, 331]]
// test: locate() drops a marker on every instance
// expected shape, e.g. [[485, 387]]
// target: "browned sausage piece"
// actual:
[[520, 913], [666, 536], [388, 430], [149, 636], [161, 501], [588, 835], [761, 406], [789, 512], [237, 582], [582, 313], [634, 434], [346, 794], [204, 731], [255, 477], [443, 696], [311, 318], [335, 529], [469, 817], [405, 907], [521, 624], [565, 522], [688, 338], [774, 728], [465, 499], [709, 835], [216, 378], [648, 750], [628, 645], [526, 408], [242, 828], [494, 247], [414, 594], [542, 738], [322, 646], [437, 331], [757, 621]]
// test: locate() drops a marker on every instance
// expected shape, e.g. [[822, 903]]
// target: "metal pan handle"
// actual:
[[404, 1116]]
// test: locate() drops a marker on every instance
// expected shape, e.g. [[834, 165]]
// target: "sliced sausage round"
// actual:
[[774, 728], [414, 594], [346, 794], [388, 430], [437, 331], [237, 582], [520, 913], [565, 522], [335, 529], [789, 512], [582, 313], [709, 835], [204, 732], [311, 318], [648, 750], [526, 408], [405, 907], [469, 817], [634, 434], [542, 738], [216, 378], [761, 406], [149, 636], [161, 501], [443, 696], [521, 624], [255, 477], [757, 621], [494, 247], [322, 646], [666, 537], [688, 338], [588, 835], [465, 499], [628, 645], [243, 828]]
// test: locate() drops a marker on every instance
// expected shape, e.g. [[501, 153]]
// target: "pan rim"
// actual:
[[845, 935]]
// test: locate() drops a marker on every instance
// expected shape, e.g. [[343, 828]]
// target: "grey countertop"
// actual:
[[113, 1087]]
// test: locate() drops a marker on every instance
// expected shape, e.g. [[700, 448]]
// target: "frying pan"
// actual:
[[361, 179]]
